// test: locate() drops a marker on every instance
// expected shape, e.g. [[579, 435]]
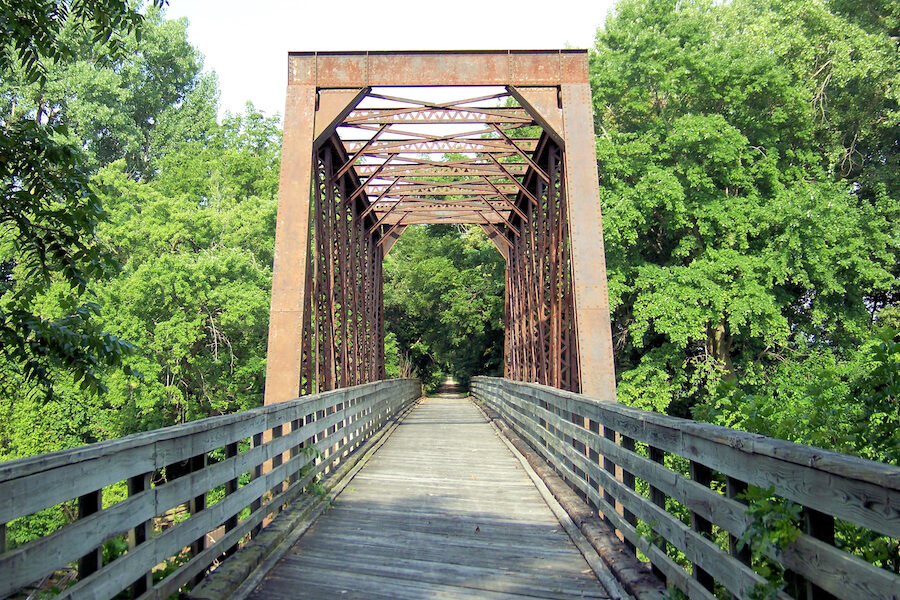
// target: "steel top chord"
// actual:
[[437, 68]]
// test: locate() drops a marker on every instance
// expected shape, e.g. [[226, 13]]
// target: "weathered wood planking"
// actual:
[[339, 421], [441, 510], [849, 488]]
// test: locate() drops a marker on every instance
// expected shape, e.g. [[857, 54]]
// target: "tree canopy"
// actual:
[[748, 161]]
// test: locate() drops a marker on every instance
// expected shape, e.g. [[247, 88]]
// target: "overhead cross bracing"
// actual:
[[420, 161]]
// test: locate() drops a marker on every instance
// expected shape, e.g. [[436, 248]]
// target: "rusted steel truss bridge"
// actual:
[[539, 485]]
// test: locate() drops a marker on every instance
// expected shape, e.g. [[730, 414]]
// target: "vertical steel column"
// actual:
[[284, 353], [592, 327]]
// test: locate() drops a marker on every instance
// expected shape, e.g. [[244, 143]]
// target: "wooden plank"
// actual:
[[30, 562], [463, 516], [108, 581], [71, 473], [142, 532], [735, 576], [90, 504], [34, 464]]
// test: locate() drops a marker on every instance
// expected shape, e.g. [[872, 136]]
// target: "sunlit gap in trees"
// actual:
[[443, 304]]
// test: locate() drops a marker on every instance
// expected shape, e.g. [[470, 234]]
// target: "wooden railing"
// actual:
[[673, 489], [255, 461]]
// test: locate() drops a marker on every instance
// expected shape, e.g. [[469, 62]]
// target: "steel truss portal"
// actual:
[[361, 162]]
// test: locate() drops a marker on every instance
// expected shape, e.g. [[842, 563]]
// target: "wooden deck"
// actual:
[[442, 510]]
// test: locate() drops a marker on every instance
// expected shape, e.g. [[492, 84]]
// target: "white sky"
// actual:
[[246, 41]]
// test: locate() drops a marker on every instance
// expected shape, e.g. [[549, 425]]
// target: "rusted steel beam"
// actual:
[[342, 323], [283, 365], [545, 106], [534, 166], [475, 170], [362, 187], [414, 188], [359, 153], [438, 217], [391, 235], [449, 204], [429, 104], [365, 69], [384, 193], [541, 209], [522, 188], [369, 147], [332, 107], [443, 116], [594, 336], [497, 238], [390, 238]]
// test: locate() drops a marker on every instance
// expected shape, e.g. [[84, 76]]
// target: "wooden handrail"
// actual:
[[587, 440], [311, 435]]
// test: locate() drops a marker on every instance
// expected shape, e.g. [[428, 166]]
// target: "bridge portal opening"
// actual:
[[375, 143]]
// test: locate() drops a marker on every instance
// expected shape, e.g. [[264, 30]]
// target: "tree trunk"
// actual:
[[718, 345]]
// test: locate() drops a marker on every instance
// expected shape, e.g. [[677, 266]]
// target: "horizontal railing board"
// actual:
[[362, 410], [869, 497], [173, 539], [834, 570], [830, 568], [802, 455], [735, 576], [42, 462], [93, 467], [57, 549], [667, 525]]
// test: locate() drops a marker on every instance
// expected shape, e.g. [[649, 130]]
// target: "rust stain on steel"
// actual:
[[332, 107], [371, 163], [543, 104]]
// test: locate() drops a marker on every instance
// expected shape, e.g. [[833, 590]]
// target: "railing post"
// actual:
[[296, 450], [594, 427], [581, 448], [702, 475], [734, 488], [197, 504], [140, 534], [278, 459], [92, 561], [257, 472], [2, 538], [231, 486], [609, 466], [820, 526], [658, 498], [628, 479]]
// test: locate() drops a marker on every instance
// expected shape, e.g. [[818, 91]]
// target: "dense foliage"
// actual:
[[748, 158], [443, 304], [154, 224]]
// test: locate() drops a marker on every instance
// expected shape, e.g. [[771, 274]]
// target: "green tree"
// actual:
[[736, 234], [443, 303], [49, 210]]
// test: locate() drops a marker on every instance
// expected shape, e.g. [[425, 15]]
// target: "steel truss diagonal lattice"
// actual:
[[370, 149]]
